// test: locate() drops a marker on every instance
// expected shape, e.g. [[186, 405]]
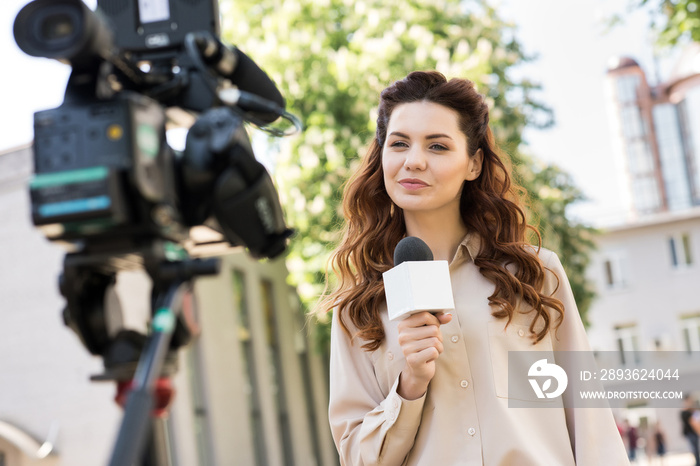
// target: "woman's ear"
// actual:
[[474, 165]]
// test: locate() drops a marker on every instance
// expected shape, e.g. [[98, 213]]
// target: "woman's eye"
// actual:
[[399, 144], [438, 147]]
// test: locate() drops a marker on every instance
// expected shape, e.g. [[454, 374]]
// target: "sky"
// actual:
[[574, 52], [567, 36]]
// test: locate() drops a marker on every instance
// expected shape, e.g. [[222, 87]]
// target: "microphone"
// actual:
[[417, 282], [248, 77]]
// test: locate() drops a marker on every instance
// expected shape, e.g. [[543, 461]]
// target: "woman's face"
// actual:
[[425, 158]]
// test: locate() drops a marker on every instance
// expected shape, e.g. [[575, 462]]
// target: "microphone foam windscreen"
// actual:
[[412, 249]]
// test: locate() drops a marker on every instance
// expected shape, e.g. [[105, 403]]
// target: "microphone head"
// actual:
[[412, 249]]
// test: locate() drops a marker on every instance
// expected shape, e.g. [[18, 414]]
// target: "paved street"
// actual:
[[679, 459]]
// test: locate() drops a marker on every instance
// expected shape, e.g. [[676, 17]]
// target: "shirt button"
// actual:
[[396, 404], [472, 431], [520, 332], [464, 383], [390, 355], [454, 338]]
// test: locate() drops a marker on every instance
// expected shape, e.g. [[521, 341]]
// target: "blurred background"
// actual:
[[596, 102]]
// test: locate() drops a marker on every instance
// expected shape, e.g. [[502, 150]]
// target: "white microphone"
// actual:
[[417, 282]]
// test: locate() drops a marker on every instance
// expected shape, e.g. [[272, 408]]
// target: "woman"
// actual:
[[432, 389]]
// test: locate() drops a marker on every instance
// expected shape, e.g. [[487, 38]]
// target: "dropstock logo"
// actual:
[[541, 369]]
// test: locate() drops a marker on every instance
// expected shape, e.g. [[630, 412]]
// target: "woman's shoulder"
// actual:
[[547, 257], [553, 268]]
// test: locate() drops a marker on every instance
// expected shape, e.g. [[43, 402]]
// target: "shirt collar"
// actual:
[[468, 249]]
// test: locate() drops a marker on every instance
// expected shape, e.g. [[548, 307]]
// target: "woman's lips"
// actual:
[[413, 184]]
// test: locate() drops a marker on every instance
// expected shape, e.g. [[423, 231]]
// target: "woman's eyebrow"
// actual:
[[437, 136], [430, 136]]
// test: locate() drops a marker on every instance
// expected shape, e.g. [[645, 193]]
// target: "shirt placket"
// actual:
[[460, 380]]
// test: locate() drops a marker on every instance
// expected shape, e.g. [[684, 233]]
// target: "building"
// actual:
[[656, 129], [646, 270], [251, 390], [646, 274]]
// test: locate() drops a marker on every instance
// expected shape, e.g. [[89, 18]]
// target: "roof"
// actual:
[[618, 63], [651, 220]]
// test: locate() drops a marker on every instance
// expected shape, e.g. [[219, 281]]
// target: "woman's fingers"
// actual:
[[420, 345], [419, 319], [422, 357], [444, 318], [418, 333], [421, 342]]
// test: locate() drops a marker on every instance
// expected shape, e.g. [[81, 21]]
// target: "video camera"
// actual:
[[108, 185], [104, 171]]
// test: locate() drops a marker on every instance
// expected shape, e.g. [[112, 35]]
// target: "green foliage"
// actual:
[[551, 192], [674, 21], [332, 58]]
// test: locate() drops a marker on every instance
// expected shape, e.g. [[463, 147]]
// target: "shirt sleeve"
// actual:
[[594, 436], [368, 426]]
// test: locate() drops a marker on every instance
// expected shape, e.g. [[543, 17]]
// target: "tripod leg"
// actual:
[[157, 451]]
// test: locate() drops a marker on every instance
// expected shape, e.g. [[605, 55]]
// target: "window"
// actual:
[[673, 163], [632, 123], [201, 422], [690, 121], [627, 88], [246, 341], [614, 270], [302, 350], [646, 194], [680, 250], [690, 326], [628, 344], [639, 159], [274, 353]]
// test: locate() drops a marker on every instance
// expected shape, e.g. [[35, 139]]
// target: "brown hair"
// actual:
[[489, 206]]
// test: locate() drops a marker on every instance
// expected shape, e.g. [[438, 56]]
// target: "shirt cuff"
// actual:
[[404, 414]]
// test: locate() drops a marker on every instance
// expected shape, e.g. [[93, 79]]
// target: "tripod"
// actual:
[[141, 365]]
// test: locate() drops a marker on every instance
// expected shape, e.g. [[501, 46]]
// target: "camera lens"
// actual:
[[57, 27], [66, 30], [49, 29]]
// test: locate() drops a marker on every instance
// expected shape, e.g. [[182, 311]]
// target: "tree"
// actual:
[[551, 192], [331, 59], [679, 20], [674, 21]]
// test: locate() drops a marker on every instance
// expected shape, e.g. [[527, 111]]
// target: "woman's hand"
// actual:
[[421, 341]]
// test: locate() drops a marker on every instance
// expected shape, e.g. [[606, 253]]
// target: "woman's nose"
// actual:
[[415, 159]]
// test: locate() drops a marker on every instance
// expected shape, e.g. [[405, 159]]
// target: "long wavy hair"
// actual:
[[491, 206]]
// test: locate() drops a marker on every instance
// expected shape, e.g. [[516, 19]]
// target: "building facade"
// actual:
[[251, 390], [656, 131], [646, 270], [646, 274]]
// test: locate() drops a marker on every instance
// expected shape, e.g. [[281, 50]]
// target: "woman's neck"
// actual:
[[443, 233]]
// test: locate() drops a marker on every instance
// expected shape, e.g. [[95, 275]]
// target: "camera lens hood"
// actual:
[[65, 30]]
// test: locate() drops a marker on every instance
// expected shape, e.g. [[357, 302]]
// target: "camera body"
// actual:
[[153, 27], [106, 182], [105, 177], [104, 171]]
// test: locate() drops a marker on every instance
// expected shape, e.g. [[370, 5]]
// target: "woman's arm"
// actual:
[[594, 437], [369, 427]]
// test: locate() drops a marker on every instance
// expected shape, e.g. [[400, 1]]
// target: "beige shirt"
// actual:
[[464, 418]]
